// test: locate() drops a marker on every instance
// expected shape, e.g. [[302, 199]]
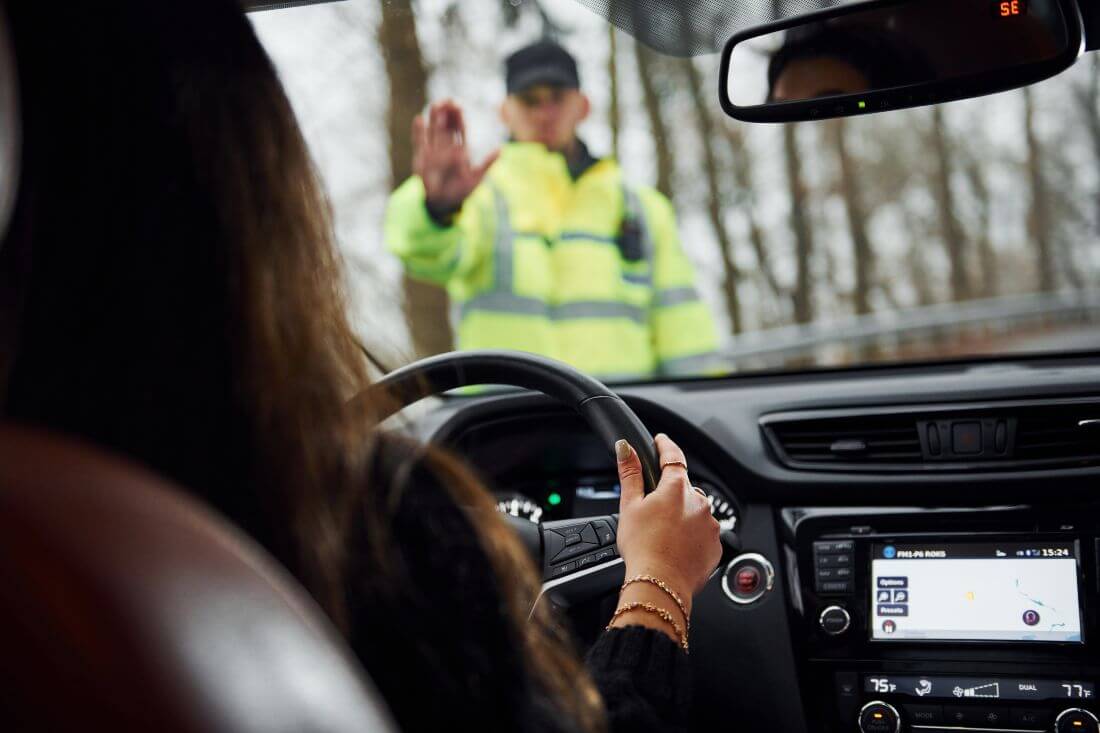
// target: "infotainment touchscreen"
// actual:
[[1008, 591]]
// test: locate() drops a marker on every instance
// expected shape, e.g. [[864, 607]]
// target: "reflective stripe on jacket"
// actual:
[[534, 261]]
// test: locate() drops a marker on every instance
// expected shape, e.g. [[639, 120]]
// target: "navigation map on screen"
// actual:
[[1010, 591]]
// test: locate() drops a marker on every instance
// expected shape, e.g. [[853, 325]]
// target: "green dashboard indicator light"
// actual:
[[554, 499], [862, 104]]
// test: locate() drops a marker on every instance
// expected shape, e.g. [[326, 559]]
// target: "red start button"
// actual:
[[747, 580]]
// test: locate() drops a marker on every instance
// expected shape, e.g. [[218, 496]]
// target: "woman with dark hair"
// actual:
[[179, 301]]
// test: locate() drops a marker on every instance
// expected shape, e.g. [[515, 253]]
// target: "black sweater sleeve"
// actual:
[[645, 679]]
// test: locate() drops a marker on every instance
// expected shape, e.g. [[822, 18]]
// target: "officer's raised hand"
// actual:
[[442, 160]]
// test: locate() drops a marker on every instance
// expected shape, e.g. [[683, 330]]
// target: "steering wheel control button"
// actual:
[[1076, 720], [879, 717], [554, 543], [579, 548], [588, 534], [572, 539], [559, 570], [604, 533], [747, 578], [835, 620]]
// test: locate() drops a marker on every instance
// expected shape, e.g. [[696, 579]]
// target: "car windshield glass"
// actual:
[[572, 192]]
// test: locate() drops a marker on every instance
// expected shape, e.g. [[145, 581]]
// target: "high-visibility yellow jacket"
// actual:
[[534, 261]]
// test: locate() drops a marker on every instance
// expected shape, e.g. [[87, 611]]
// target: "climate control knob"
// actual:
[[1076, 720], [879, 717]]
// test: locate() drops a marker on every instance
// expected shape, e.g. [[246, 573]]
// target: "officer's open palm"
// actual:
[[441, 159]]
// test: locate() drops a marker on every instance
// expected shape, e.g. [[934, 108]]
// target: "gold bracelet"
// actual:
[[663, 586], [655, 610]]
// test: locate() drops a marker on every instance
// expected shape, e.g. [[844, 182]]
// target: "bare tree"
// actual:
[[715, 210], [951, 232], [862, 253], [987, 257], [1088, 100], [1038, 218], [647, 72], [425, 305], [613, 113], [743, 176], [800, 225]]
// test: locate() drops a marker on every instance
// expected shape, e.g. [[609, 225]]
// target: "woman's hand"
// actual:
[[669, 534]]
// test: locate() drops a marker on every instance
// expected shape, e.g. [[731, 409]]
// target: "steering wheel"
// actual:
[[578, 557]]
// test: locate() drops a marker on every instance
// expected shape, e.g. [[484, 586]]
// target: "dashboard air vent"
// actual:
[[993, 436], [870, 440]]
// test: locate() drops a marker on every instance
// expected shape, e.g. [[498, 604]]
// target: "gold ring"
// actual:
[[681, 464]]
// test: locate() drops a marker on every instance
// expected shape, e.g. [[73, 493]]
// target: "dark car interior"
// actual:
[[907, 546]]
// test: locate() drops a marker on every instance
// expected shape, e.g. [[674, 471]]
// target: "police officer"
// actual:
[[545, 248]]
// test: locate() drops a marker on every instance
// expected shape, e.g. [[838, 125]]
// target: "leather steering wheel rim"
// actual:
[[604, 411]]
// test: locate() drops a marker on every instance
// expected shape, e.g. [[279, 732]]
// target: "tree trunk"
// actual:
[[800, 225], [1089, 100], [425, 305], [986, 256], [1038, 219], [862, 252], [613, 115], [647, 71], [715, 210], [742, 174], [954, 240]]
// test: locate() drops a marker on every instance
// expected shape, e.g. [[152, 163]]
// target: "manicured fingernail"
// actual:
[[659, 435], [622, 450]]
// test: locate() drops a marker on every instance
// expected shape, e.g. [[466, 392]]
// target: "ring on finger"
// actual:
[[681, 464]]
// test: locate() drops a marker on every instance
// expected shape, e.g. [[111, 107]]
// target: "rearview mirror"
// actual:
[[889, 54]]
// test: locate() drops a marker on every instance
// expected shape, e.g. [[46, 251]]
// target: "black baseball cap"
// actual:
[[544, 62]]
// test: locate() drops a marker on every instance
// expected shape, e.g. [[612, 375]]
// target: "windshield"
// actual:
[[571, 192]]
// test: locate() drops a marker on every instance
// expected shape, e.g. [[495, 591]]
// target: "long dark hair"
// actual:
[[184, 303]]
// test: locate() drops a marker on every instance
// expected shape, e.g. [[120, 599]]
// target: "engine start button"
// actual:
[[747, 578]]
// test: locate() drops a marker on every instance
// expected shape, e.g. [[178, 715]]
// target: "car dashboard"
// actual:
[[926, 536]]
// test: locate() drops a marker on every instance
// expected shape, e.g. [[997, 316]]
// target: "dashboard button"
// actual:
[[747, 580], [984, 716], [833, 561], [834, 586], [924, 714], [834, 620], [966, 438], [1028, 718], [830, 548]]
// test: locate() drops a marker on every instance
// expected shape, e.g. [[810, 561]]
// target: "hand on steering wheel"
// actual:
[[669, 533]]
